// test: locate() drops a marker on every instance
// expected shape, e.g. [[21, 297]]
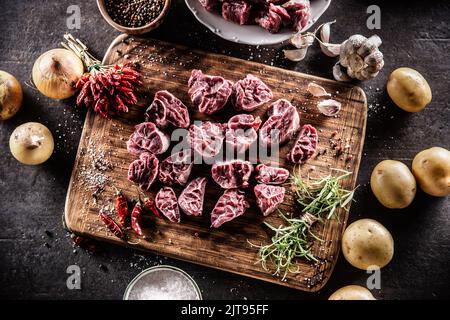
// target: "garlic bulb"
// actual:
[[361, 58]]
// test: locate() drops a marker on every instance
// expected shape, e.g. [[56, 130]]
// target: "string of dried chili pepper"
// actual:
[[111, 225], [136, 218], [121, 207], [149, 204], [108, 90]]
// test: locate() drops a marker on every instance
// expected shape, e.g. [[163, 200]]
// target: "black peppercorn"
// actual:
[[134, 13]]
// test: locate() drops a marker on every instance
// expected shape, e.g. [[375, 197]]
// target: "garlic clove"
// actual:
[[339, 74], [368, 75], [325, 32], [302, 40], [329, 107], [369, 46], [374, 58], [330, 49], [355, 42], [316, 90], [355, 62], [296, 54]]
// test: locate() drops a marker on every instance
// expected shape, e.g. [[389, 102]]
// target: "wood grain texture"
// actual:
[[167, 66]]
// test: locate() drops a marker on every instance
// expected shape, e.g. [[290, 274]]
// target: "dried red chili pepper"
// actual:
[[108, 90], [84, 243], [136, 218], [111, 225], [121, 207], [149, 204]]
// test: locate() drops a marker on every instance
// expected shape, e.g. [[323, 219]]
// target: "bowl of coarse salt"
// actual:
[[162, 283]]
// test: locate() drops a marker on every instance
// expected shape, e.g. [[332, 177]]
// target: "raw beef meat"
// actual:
[[237, 11], [271, 175], [230, 205], [268, 198], [250, 93], [283, 123], [166, 109], [269, 14], [241, 132], [282, 12], [167, 204], [232, 174], [147, 138], [300, 13], [305, 146], [176, 168], [269, 20], [209, 4], [191, 199], [144, 170], [209, 93], [207, 139]]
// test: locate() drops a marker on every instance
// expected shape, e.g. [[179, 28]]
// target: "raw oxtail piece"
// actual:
[[282, 124], [206, 139], [208, 93], [191, 199], [237, 11], [268, 197], [230, 205], [242, 131], [167, 204], [270, 175], [167, 110], [250, 93], [176, 169], [147, 138], [305, 146], [144, 170], [232, 174]]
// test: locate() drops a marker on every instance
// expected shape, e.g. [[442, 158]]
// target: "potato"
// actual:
[[11, 95], [408, 89], [352, 293], [393, 184], [31, 143], [366, 243], [431, 167]]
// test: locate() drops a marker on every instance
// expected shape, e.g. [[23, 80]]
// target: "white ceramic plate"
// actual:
[[250, 34]]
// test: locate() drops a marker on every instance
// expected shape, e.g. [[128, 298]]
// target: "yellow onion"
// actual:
[[56, 72], [31, 143], [11, 95]]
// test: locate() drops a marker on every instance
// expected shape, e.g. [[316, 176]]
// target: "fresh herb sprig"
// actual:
[[319, 199], [322, 196]]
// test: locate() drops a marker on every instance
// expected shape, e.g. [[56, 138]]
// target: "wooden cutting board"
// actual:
[[168, 66]]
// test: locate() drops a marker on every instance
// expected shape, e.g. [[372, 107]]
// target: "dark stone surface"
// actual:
[[32, 197]]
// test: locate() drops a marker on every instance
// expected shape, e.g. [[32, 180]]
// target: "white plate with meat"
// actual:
[[253, 29]]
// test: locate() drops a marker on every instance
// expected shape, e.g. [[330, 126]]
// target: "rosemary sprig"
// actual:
[[319, 199], [322, 196]]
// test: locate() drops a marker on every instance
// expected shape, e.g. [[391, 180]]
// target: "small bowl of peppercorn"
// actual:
[[134, 16]]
